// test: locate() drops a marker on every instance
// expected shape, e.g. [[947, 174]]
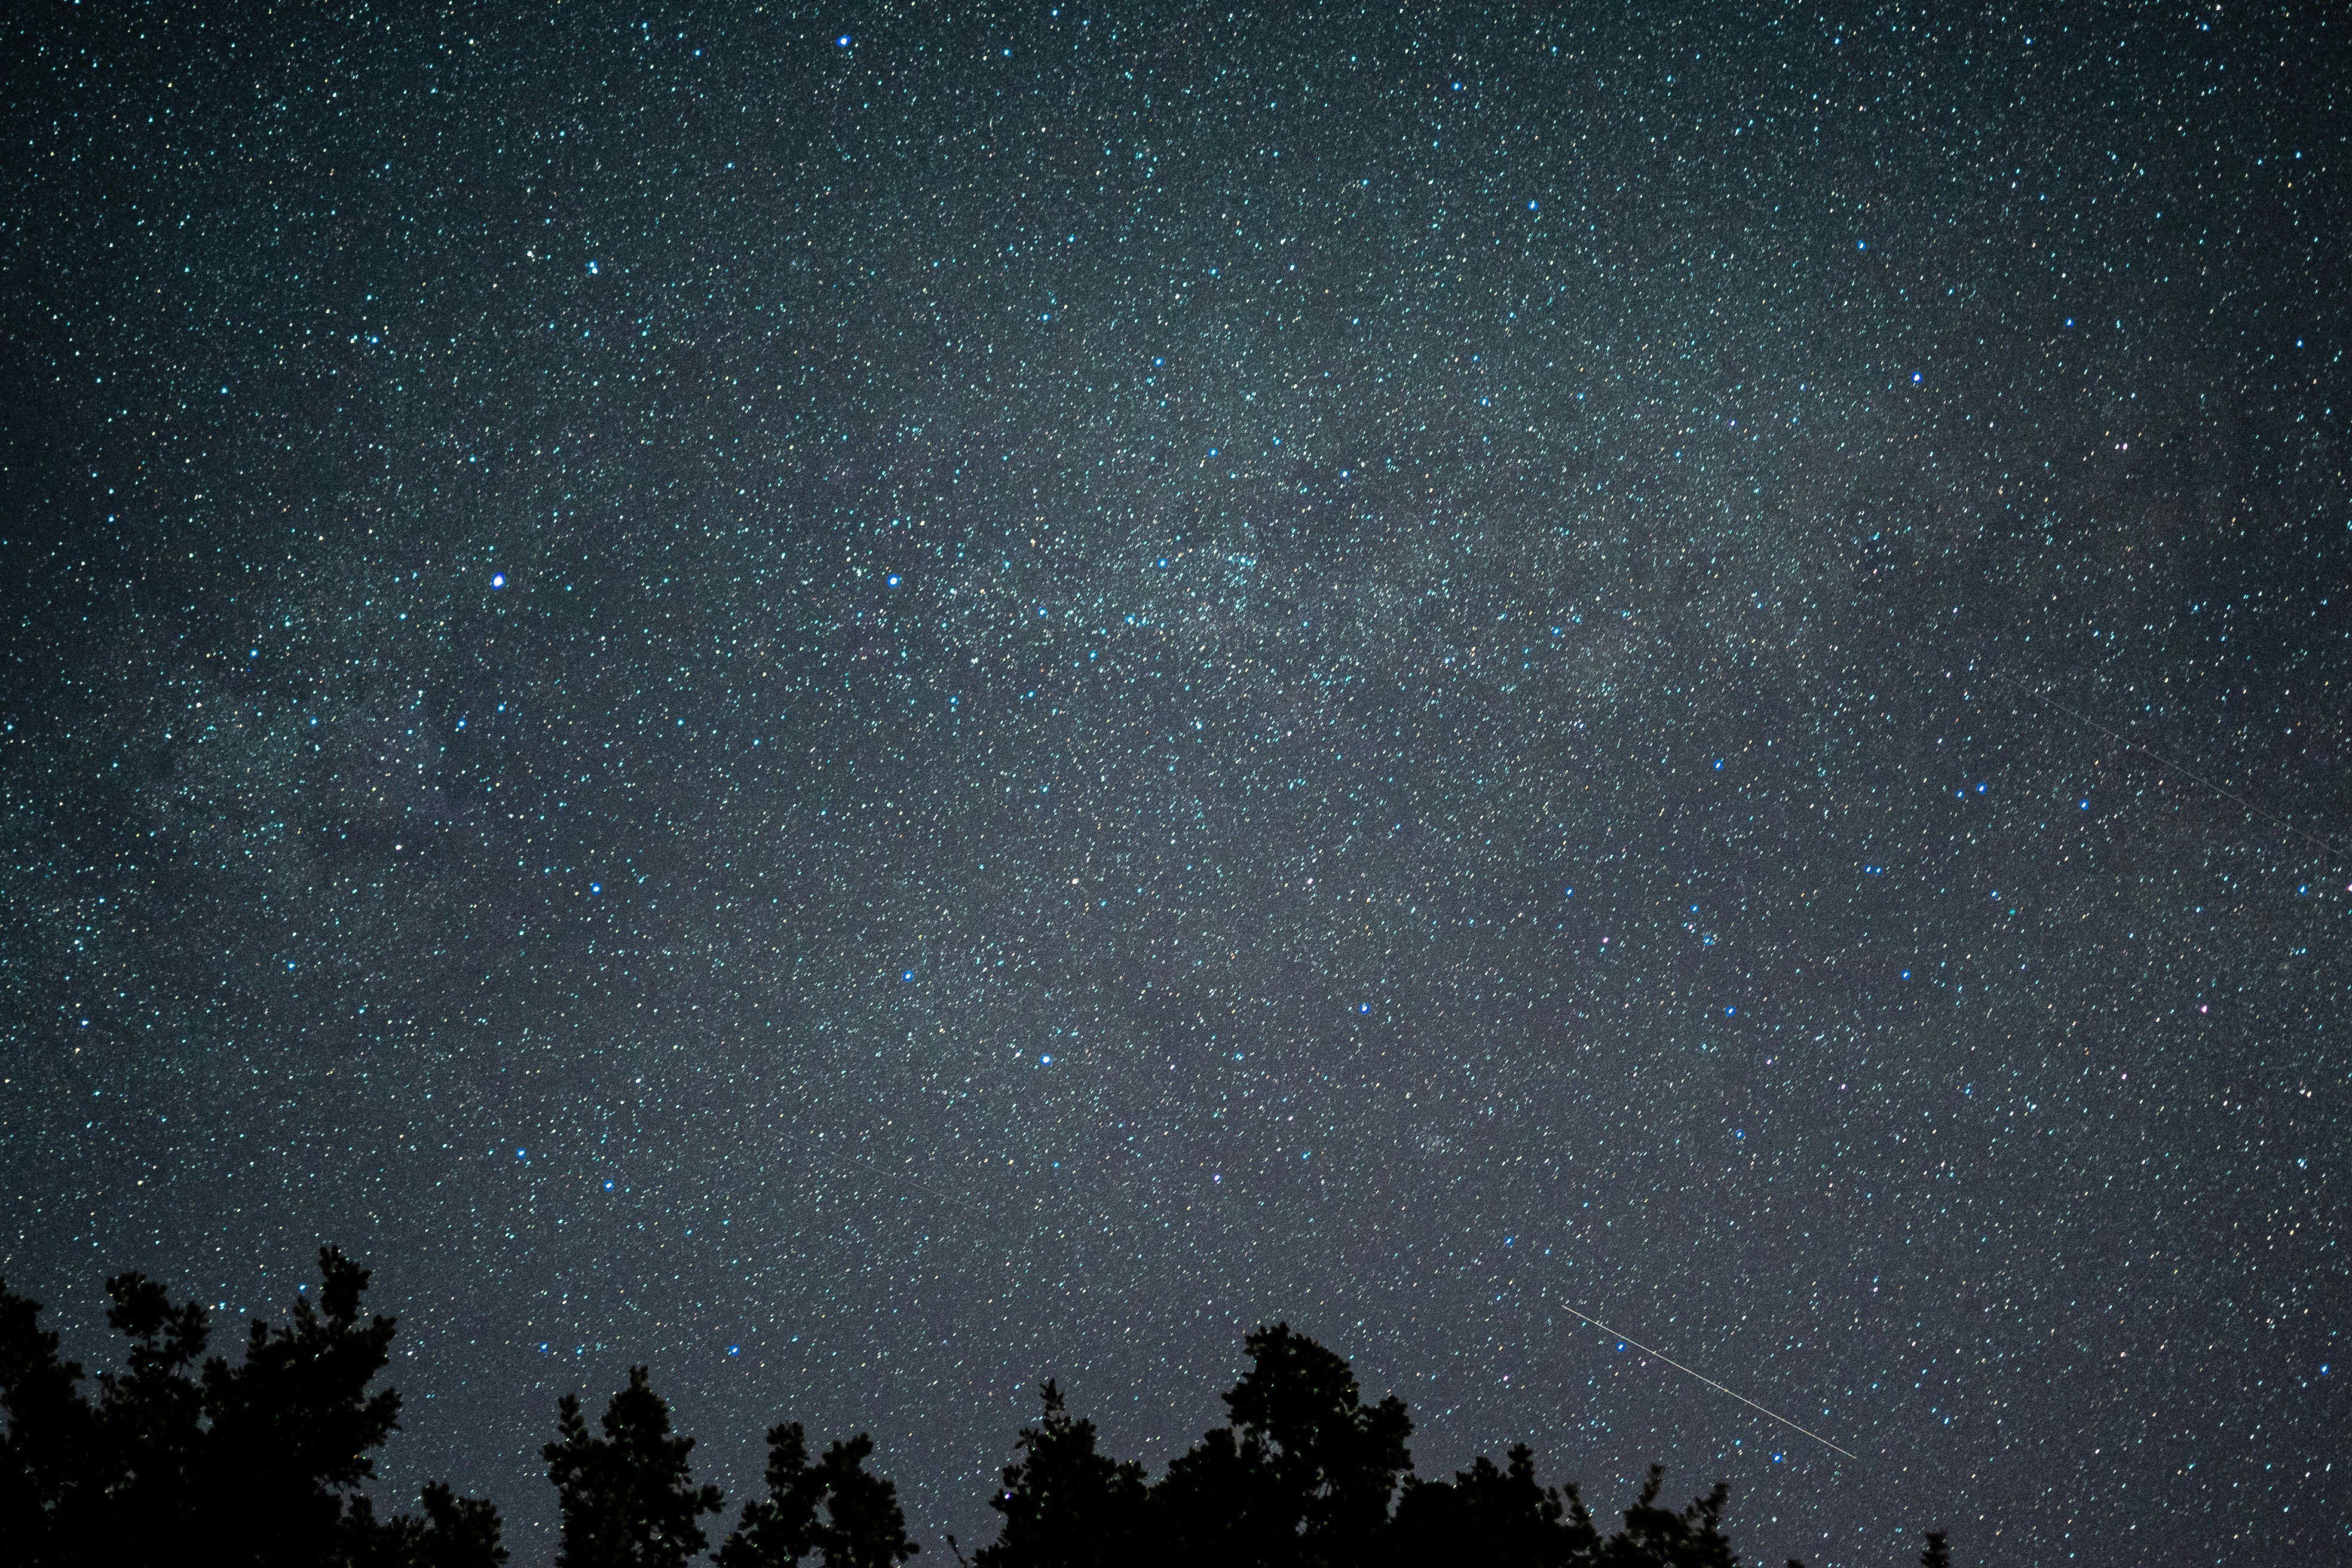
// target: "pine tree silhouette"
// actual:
[[150, 1421], [833, 1508], [1492, 1515], [50, 1465], [456, 1533], [300, 1398], [262, 1460], [1655, 1537], [1303, 1475], [1218, 1503], [780, 1528], [1066, 1505], [866, 1526], [1302, 1478], [627, 1497]]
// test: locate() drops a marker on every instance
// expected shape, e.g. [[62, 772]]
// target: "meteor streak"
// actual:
[[1743, 1399], [2129, 744]]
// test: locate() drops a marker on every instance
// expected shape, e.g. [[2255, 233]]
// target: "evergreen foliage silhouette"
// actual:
[[263, 1459], [1489, 1515], [49, 1455], [627, 1497], [1303, 1474], [265, 1462], [1653, 1535], [300, 1396], [834, 1509], [782, 1527], [455, 1532], [1066, 1505], [152, 1467]]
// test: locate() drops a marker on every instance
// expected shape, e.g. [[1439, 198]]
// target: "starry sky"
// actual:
[[874, 703]]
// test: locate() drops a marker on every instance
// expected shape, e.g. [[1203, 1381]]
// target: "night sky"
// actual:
[[873, 703]]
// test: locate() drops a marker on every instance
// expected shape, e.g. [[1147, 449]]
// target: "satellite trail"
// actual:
[[1743, 1399]]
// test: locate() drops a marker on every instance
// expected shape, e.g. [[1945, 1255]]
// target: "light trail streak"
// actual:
[[2177, 766], [1743, 1399]]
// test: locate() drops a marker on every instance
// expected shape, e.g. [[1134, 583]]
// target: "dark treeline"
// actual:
[[266, 1461]]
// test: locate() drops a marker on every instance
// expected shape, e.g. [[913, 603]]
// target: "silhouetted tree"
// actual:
[[49, 1463], [1302, 1478], [301, 1398], [1655, 1537], [1304, 1473], [1066, 1505], [150, 1423], [1218, 1503], [780, 1528], [865, 1527], [182, 1454], [456, 1533], [1489, 1515], [833, 1508], [262, 1460], [627, 1497]]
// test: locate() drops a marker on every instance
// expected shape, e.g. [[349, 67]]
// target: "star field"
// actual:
[[873, 703]]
